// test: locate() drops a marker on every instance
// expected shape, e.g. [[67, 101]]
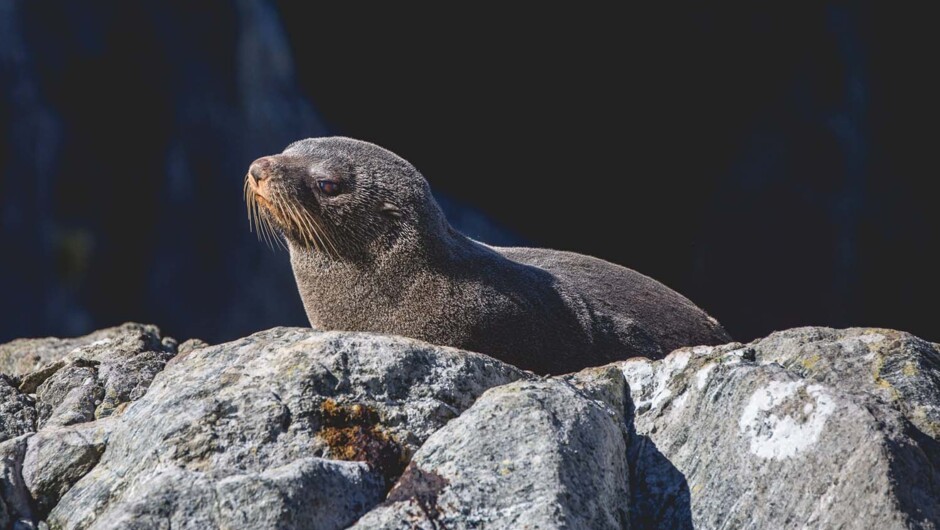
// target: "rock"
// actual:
[[308, 493], [192, 344], [811, 427], [15, 510], [22, 356], [70, 395], [288, 428], [84, 378], [57, 457], [126, 379], [531, 454], [17, 411], [31, 381], [297, 428], [898, 367]]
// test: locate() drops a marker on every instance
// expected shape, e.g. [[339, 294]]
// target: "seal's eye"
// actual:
[[328, 187]]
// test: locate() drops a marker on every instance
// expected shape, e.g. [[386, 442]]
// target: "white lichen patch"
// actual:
[[661, 383], [701, 377], [783, 419], [870, 338], [648, 382], [638, 373], [677, 360]]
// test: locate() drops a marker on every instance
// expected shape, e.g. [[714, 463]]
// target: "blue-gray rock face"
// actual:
[[295, 428]]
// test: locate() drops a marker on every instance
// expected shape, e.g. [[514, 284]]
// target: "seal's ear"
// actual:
[[390, 209]]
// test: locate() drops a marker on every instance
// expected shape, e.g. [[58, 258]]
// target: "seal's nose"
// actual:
[[260, 169]]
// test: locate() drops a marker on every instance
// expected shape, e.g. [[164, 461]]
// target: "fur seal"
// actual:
[[372, 251]]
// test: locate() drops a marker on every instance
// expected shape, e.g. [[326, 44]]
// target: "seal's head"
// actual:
[[341, 198]]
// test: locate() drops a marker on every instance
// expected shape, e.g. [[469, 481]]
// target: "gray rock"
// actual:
[[15, 510], [190, 345], [57, 457], [30, 382], [126, 379], [70, 395], [295, 428], [898, 367], [309, 493], [811, 427], [532, 454], [17, 411], [22, 356], [84, 378], [288, 428]]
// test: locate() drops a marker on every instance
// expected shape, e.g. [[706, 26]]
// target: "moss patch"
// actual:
[[353, 432]]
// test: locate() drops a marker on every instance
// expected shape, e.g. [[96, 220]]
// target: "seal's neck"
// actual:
[[417, 252], [356, 294]]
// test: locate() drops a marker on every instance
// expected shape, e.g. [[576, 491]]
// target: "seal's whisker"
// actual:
[[259, 226], [283, 217], [259, 229], [318, 237], [254, 216], [257, 216], [248, 201], [266, 225], [320, 245], [296, 222], [307, 229], [314, 234], [326, 236], [286, 216], [302, 225], [264, 231], [322, 234]]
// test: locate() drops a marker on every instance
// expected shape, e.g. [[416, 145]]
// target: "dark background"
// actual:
[[775, 166]]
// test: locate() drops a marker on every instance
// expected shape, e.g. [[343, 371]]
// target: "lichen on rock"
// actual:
[[797, 429]]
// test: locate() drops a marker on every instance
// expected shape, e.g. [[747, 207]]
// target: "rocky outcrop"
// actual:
[[78, 380], [810, 427], [39, 358], [286, 428], [531, 454], [294, 428]]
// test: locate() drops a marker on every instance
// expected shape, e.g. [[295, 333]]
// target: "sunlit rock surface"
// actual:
[[295, 428]]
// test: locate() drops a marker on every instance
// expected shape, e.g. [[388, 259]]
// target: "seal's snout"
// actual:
[[261, 169]]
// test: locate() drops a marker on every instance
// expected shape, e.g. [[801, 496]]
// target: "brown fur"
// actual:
[[384, 259]]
